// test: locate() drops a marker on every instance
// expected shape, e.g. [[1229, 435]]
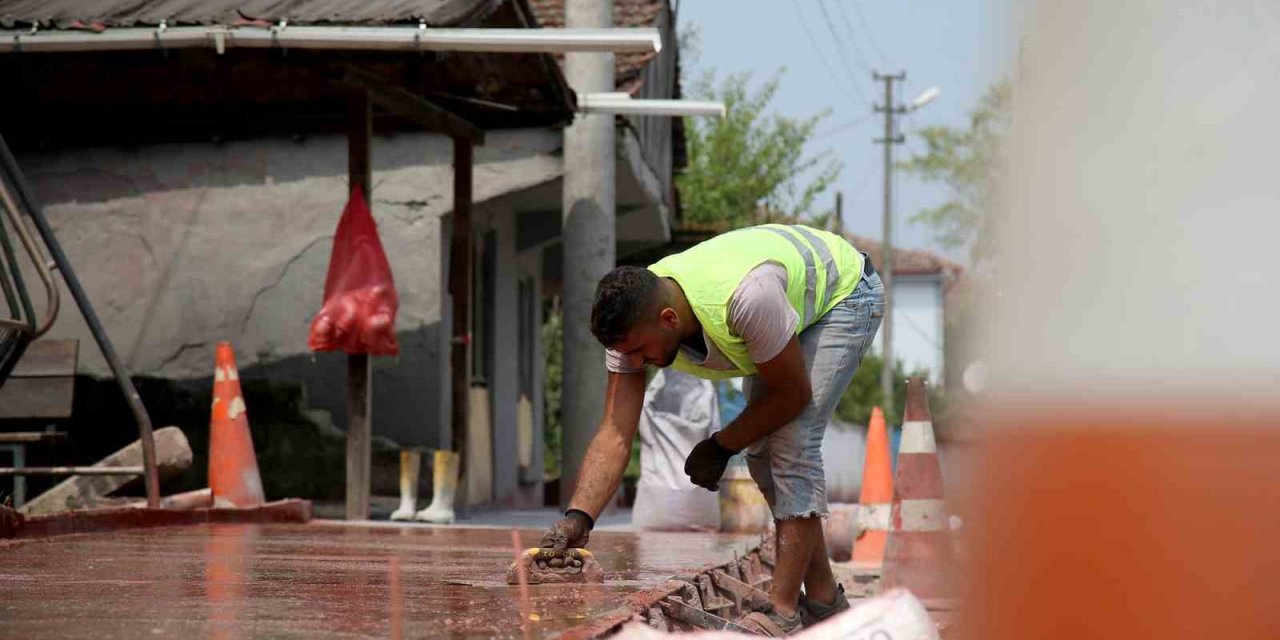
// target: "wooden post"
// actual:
[[460, 289], [359, 372]]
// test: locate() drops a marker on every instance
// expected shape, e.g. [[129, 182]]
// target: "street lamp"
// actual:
[[623, 104], [925, 97], [354, 38]]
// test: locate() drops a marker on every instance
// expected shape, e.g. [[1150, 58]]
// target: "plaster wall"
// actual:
[[180, 246]]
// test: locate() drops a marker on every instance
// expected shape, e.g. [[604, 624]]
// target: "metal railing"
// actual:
[[17, 200]]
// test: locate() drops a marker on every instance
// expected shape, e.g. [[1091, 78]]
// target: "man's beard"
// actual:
[[671, 356]]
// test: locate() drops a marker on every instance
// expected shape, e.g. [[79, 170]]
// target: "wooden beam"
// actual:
[[48, 358], [407, 104], [42, 398], [173, 455], [460, 259], [359, 374]]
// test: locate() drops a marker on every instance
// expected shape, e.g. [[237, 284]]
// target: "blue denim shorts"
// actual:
[[787, 464]]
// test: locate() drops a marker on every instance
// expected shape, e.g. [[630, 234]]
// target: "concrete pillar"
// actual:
[[504, 379], [589, 215]]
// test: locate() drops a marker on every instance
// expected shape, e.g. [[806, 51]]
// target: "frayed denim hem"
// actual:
[[811, 513]]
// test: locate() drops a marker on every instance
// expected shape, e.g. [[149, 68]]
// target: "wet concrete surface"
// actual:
[[318, 580]]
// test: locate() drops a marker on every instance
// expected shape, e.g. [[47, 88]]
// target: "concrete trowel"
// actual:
[[549, 566]]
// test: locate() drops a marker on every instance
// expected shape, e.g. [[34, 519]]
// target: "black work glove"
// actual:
[[573, 530], [706, 463]]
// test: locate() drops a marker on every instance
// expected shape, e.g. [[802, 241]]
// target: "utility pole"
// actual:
[[589, 239], [891, 137]]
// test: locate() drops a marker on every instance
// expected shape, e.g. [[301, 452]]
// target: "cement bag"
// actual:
[[896, 615], [844, 449], [360, 301], [679, 411]]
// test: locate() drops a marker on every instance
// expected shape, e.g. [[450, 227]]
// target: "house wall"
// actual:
[[532, 472], [513, 484], [182, 245], [918, 324]]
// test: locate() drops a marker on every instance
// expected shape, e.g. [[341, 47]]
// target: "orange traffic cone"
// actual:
[[919, 554], [876, 498], [233, 467]]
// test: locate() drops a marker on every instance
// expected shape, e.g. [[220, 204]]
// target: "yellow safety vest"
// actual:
[[822, 269]]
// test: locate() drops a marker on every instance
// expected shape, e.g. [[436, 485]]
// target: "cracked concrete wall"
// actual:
[[180, 246]]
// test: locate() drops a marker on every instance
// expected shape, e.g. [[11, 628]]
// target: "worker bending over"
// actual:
[[791, 307]]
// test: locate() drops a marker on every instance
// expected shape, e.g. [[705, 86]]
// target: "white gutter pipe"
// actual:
[[420, 38], [624, 104]]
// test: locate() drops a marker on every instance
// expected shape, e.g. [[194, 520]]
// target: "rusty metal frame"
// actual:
[[706, 600], [11, 174]]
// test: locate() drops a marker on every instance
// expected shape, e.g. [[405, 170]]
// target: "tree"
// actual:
[[971, 163], [750, 160], [552, 347], [864, 393]]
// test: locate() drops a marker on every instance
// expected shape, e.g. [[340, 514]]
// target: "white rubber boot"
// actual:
[[410, 463], [445, 488]]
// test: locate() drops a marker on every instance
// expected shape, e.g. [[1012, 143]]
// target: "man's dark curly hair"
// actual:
[[622, 298]]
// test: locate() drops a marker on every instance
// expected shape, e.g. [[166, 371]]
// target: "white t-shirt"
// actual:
[[759, 313]]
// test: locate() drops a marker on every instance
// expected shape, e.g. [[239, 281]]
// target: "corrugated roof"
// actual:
[[907, 261], [629, 72], [70, 14]]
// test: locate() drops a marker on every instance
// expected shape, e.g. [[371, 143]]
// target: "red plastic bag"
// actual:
[[360, 301]]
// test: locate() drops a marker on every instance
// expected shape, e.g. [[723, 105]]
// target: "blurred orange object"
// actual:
[[1127, 525]]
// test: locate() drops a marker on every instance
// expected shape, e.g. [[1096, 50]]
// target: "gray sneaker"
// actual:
[[770, 623], [812, 613]]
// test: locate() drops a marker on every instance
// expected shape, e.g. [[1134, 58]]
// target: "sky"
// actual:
[[960, 47]]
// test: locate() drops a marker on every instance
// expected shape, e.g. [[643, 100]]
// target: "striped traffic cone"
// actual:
[[919, 554], [876, 498], [233, 466]]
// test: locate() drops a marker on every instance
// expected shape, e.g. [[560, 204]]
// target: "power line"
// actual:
[[861, 188], [822, 56], [845, 126], [853, 37], [870, 36], [911, 139], [831, 28]]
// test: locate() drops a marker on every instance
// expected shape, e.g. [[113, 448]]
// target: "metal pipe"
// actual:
[[14, 173], [72, 471], [15, 292], [52, 301], [621, 104], [219, 37]]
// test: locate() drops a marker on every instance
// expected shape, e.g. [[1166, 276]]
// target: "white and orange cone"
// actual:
[[233, 466], [876, 500], [919, 554]]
